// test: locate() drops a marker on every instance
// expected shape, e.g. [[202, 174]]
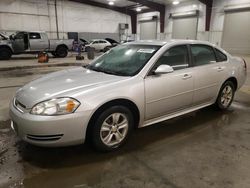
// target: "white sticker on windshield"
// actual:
[[149, 51]]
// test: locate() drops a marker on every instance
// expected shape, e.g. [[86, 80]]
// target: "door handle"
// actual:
[[219, 69], [186, 76]]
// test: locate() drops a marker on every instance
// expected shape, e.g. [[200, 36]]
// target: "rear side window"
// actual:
[[220, 56], [34, 36], [176, 57], [202, 55]]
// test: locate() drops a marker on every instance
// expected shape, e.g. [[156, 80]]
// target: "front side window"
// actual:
[[220, 56], [19, 35], [34, 36], [176, 57], [202, 54], [124, 60]]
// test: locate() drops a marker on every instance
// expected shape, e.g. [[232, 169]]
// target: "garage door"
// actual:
[[185, 28], [148, 30], [236, 32]]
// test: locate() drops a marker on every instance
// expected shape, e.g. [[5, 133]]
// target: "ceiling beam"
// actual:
[[156, 7], [209, 6]]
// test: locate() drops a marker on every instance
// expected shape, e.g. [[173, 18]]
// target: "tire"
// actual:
[[61, 51], [226, 95], [87, 49], [112, 128], [5, 53], [54, 54]]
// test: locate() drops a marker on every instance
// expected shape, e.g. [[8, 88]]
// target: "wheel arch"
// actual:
[[6, 46], [233, 80], [62, 45], [123, 102]]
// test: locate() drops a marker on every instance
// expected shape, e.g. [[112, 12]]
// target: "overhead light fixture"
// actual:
[[111, 3], [176, 2], [138, 9], [194, 6]]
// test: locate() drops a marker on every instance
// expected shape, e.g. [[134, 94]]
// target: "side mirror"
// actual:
[[163, 69]]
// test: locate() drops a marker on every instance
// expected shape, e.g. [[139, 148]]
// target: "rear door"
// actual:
[[37, 42], [96, 45], [208, 73], [171, 92]]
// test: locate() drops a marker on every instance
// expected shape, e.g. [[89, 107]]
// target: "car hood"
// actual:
[[63, 84]]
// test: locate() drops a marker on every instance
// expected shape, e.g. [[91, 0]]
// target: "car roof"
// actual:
[[168, 42]]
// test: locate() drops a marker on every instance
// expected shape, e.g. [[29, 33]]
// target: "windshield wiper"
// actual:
[[99, 69]]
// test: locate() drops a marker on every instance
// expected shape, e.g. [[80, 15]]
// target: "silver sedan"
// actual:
[[132, 85]]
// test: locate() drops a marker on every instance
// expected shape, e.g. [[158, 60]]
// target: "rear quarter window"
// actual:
[[220, 56]]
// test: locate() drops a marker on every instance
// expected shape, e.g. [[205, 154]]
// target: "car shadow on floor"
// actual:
[[162, 132]]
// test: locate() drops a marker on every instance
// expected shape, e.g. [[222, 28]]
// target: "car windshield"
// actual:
[[124, 60]]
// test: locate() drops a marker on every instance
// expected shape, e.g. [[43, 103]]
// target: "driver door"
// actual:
[[18, 43], [170, 92]]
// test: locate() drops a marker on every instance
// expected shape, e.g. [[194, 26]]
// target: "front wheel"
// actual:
[[5, 53], [112, 128], [226, 95]]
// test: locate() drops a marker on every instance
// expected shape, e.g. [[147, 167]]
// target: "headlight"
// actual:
[[57, 106]]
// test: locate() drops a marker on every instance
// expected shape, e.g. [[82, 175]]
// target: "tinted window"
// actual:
[[176, 57], [95, 42], [202, 54], [34, 36], [220, 56]]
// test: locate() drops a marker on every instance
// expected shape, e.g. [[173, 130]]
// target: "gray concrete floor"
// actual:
[[207, 148]]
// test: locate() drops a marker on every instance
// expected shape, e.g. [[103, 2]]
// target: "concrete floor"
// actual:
[[207, 148]]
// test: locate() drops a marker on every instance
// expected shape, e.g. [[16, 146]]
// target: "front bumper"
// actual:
[[50, 131]]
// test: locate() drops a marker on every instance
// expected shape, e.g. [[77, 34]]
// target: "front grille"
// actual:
[[44, 137]]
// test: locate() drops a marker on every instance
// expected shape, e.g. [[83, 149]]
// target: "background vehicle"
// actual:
[[98, 44], [83, 43], [113, 42], [33, 42]]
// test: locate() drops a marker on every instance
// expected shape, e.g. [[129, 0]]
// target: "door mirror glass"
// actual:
[[163, 69]]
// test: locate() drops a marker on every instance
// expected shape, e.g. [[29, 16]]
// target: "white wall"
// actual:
[[148, 15], [185, 7], [182, 7], [217, 20], [72, 17]]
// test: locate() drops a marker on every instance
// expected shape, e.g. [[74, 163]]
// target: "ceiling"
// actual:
[[131, 6], [125, 3], [119, 3]]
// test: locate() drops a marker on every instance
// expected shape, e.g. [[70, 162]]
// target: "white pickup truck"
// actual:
[[24, 42]]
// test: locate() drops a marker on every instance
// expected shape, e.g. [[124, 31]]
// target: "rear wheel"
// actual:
[[226, 95], [61, 51], [54, 54], [112, 128], [5, 53]]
